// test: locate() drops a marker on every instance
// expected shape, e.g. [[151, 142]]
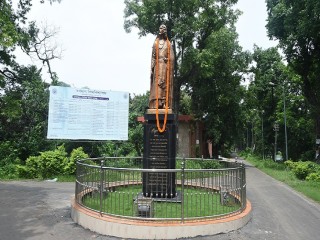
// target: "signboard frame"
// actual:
[[86, 114]]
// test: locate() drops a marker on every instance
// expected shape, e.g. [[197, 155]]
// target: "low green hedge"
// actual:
[[304, 170], [47, 164]]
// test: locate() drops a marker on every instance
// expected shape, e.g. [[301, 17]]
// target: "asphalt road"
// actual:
[[41, 210]]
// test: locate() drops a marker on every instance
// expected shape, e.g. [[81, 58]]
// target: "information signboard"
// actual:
[[85, 114]]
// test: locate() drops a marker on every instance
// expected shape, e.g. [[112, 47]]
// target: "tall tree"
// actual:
[[214, 86], [16, 32], [23, 116], [265, 92], [189, 23], [273, 83], [296, 24], [23, 94]]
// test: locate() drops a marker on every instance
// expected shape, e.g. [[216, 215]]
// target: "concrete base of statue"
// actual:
[[159, 153]]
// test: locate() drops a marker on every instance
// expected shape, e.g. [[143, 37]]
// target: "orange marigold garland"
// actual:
[[161, 130]]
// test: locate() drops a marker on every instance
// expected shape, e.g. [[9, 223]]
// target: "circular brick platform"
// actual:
[[126, 228]]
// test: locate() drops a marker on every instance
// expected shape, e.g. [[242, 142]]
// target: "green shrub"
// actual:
[[303, 169], [70, 164], [125, 163], [34, 166], [315, 177], [52, 162], [122, 163], [14, 171], [22, 171], [199, 164], [189, 164], [290, 164], [8, 171], [210, 164], [48, 164], [268, 163], [8, 154], [246, 153]]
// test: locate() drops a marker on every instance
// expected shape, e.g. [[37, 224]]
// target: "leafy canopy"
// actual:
[[296, 24]]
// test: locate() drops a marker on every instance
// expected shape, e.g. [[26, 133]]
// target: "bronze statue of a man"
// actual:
[[162, 67]]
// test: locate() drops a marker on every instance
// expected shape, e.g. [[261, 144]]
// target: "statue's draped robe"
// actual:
[[162, 77]]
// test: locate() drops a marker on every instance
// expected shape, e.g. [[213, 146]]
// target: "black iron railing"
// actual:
[[196, 189]]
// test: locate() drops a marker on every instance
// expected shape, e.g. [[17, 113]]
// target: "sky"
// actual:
[[99, 54]]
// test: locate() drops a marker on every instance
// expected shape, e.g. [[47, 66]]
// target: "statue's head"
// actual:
[[163, 30]]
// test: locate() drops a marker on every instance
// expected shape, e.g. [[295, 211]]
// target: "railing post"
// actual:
[[77, 182], [182, 189], [101, 185], [243, 187]]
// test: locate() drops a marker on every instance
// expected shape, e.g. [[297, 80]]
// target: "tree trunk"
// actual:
[[215, 151]]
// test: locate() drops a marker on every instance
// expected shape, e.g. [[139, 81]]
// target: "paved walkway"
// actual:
[[41, 210], [278, 211]]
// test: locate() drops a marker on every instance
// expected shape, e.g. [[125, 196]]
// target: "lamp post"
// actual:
[[262, 112], [247, 135], [285, 123], [252, 137], [284, 117], [275, 129], [272, 85]]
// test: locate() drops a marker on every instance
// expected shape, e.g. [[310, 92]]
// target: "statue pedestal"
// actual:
[[159, 153]]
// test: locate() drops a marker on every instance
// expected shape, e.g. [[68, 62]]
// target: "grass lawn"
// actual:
[[66, 178], [197, 203]]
